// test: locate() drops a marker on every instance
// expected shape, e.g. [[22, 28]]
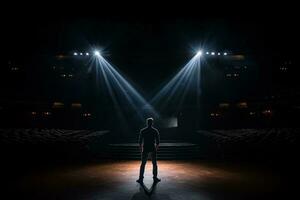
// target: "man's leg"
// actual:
[[154, 163], [143, 164]]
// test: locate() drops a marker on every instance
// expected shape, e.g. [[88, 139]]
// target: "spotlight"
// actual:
[[207, 53], [97, 53], [87, 54], [75, 53], [225, 54], [199, 53], [212, 53], [81, 54], [219, 54]]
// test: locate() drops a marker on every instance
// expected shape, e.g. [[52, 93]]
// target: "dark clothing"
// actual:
[[148, 137], [145, 155]]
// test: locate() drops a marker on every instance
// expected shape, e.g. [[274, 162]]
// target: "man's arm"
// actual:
[[141, 141], [157, 139]]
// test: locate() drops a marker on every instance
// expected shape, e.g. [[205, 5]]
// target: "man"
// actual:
[[148, 142]]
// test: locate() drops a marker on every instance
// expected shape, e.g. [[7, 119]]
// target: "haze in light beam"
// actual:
[[126, 99], [183, 88]]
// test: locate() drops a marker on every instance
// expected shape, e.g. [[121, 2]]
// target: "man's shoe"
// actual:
[[139, 181], [156, 180]]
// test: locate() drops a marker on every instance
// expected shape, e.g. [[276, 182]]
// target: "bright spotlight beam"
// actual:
[[185, 84], [125, 97], [199, 53], [97, 53]]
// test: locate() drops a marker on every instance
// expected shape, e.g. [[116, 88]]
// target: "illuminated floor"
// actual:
[[180, 180]]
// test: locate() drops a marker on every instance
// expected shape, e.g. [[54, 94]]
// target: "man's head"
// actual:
[[149, 121]]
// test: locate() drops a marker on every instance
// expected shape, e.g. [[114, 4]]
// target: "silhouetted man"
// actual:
[[149, 142]]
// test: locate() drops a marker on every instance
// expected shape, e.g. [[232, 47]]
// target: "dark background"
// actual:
[[149, 49], [148, 45]]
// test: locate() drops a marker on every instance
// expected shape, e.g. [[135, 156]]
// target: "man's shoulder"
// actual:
[[147, 129], [155, 129], [143, 130]]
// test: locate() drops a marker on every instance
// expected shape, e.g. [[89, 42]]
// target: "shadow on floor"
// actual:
[[146, 193]]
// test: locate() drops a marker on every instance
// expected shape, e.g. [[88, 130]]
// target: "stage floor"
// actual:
[[180, 180]]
